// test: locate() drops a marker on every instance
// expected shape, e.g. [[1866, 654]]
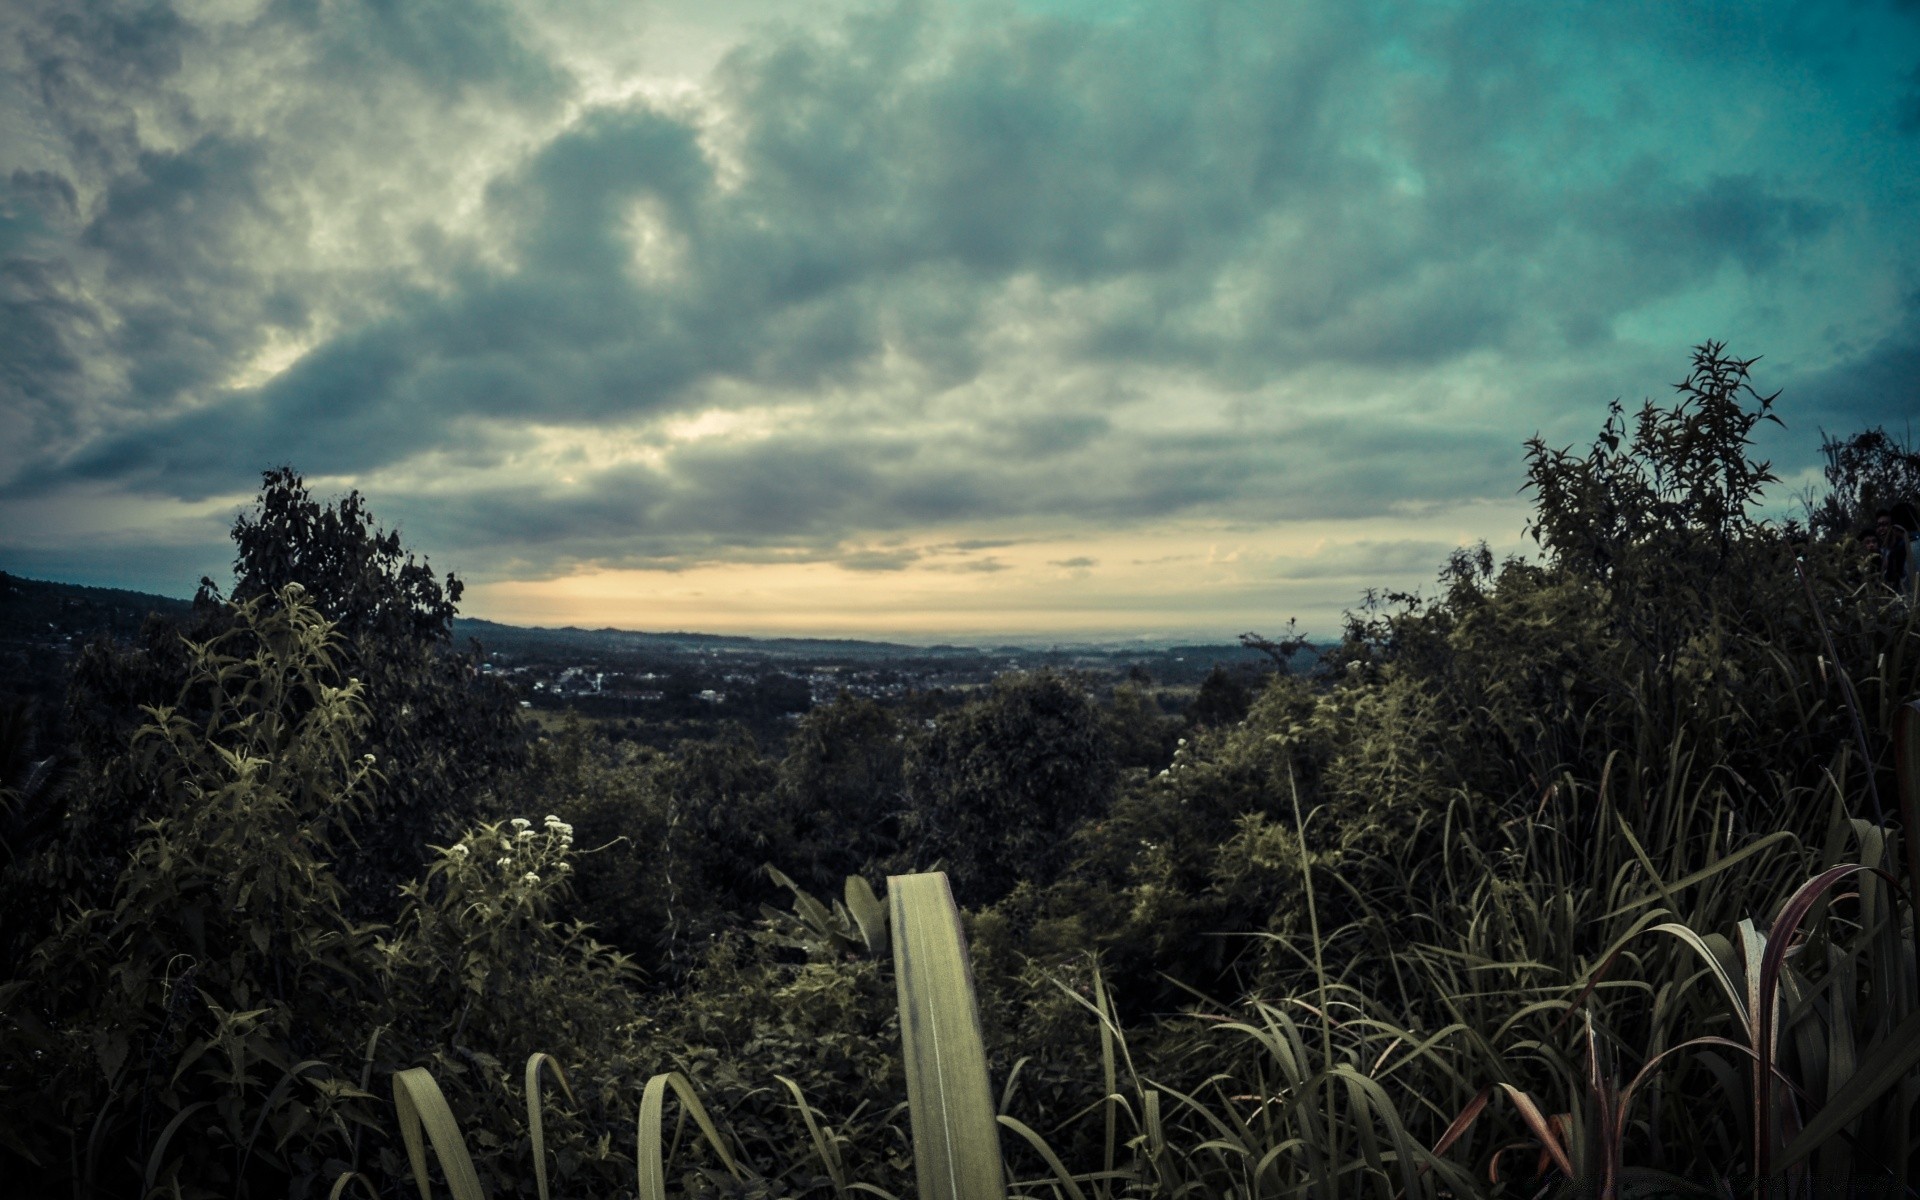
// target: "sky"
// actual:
[[1029, 320]]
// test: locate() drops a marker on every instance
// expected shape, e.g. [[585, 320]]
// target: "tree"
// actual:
[[1223, 699], [842, 782], [354, 573], [224, 905], [1681, 484], [995, 787], [441, 732], [1864, 472]]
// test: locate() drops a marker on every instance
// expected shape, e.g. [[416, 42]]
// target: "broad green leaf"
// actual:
[[418, 1101], [956, 1142], [652, 1159], [868, 913]]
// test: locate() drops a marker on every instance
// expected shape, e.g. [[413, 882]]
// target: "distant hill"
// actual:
[[496, 636], [39, 611]]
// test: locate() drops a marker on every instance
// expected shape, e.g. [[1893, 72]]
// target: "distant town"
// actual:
[[652, 685], [611, 673]]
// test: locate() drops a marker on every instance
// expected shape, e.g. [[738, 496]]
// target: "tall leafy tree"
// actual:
[[439, 731]]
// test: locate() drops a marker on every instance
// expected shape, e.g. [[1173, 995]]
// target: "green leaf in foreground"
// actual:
[[417, 1102], [956, 1143]]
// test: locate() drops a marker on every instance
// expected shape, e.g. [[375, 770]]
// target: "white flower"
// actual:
[[564, 867], [530, 878], [459, 851], [521, 822], [551, 821], [525, 835], [505, 862]]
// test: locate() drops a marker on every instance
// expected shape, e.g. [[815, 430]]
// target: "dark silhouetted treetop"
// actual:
[[355, 573], [1683, 482], [1864, 472]]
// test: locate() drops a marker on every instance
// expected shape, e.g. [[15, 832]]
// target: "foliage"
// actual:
[[844, 779], [355, 574], [443, 733], [995, 788], [1677, 492], [1865, 472], [186, 1026]]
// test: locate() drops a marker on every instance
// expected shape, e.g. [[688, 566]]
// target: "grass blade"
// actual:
[[535, 1124], [166, 1135], [1039, 1143], [1906, 763], [829, 1156], [956, 1142], [417, 1102], [652, 1158]]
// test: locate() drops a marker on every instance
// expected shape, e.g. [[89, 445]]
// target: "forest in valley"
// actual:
[[1586, 875]]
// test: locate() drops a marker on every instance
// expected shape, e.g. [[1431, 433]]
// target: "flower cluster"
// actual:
[[522, 855]]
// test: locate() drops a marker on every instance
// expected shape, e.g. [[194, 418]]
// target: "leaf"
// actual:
[[829, 1155], [652, 1159], [1705, 873], [1906, 758], [166, 1135], [868, 913], [1888, 1061], [110, 1049], [956, 1142], [1039, 1143], [534, 1121], [417, 1102]]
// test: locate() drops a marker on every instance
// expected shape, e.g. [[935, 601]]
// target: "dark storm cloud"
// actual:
[[1024, 220], [1875, 385], [43, 318]]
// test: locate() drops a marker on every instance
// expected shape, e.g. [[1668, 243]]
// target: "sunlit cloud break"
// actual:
[[918, 319]]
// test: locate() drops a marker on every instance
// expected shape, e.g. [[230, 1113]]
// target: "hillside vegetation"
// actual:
[[1584, 876]]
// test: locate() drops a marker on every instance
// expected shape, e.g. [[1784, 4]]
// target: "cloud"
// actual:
[[1872, 385], [1365, 560], [879, 560], [981, 267]]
